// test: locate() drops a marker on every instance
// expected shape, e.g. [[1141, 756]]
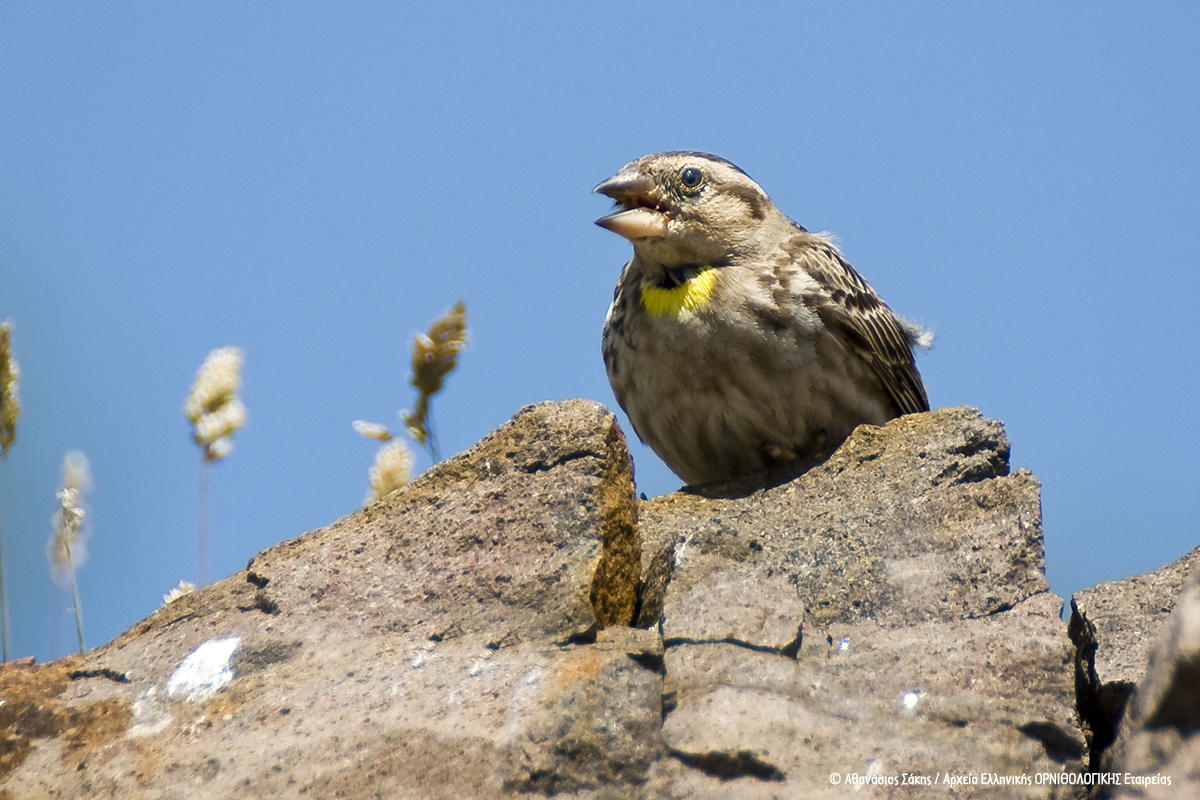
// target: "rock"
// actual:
[[912, 522], [959, 698], [589, 716], [1113, 626], [751, 604], [433, 644], [885, 611], [538, 516], [882, 614], [1157, 749]]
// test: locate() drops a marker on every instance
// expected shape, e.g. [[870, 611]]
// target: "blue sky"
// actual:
[[315, 183]]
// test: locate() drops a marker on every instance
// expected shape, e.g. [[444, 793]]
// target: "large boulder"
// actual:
[[883, 615], [514, 624], [424, 646]]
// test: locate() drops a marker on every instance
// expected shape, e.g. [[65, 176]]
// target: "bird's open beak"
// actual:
[[642, 216]]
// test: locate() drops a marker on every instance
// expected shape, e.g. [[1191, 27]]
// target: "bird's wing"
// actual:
[[853, 312]]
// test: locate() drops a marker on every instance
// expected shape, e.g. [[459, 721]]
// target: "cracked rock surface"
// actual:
[[884, 613], [1159, 735], [1113, 625], [513, 624], [1138, 671]]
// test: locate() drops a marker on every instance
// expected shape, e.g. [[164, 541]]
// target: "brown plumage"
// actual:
[[738, 340]]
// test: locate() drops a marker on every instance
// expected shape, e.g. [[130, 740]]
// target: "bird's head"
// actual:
[[683, 207]]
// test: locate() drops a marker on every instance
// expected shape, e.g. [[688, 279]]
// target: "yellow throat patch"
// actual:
[[691, 295]]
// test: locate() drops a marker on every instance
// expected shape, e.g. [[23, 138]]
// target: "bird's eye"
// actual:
[[691, 177]]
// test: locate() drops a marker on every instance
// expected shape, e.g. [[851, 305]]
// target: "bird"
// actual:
[[737, 341]]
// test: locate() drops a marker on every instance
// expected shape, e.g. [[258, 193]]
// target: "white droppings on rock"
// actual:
[[204, 672], [910, 699]]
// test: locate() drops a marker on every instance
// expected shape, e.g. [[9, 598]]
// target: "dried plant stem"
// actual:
[[3, 604], [431, 438], [434, 356], [75, 599], [202, 532], [215, 410], [65, 549], [10, 410]]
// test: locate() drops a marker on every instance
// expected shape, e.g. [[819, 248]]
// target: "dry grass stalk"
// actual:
[[213, 406], [10, 409], [65, 550], [10, 406], [184, 587], [216, 412], [434, 356], [392, 469]]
